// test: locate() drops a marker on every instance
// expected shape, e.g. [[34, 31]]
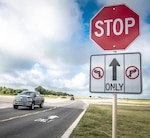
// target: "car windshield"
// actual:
[[27, 93]]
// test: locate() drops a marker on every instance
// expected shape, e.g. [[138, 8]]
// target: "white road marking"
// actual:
[[29, 114], [47, 120]]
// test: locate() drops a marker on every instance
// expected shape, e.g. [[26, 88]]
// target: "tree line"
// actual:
[[43, 91]]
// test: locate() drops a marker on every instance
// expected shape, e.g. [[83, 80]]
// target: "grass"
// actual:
[[134, 101], [132, 122]]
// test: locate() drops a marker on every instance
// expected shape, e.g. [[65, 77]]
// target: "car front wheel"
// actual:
[[32, 106], [15, 106], [41, 105]]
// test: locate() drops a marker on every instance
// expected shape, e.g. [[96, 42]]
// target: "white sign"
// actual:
[[116, 73]]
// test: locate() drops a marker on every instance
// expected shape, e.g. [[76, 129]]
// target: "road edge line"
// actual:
[[74, 124]]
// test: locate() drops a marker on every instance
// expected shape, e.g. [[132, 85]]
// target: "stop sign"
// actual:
[[114, 27]]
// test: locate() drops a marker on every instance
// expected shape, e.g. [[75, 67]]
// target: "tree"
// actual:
[[40, 89]]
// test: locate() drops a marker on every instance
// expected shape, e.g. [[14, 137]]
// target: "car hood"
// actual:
[[22, 96]]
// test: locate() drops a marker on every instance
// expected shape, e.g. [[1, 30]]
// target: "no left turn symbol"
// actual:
[[97, 73], [132, 72]]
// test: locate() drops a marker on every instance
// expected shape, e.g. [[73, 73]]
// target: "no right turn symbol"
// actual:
[[132, 72]]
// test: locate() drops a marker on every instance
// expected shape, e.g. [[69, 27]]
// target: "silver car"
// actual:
[[28, 99]]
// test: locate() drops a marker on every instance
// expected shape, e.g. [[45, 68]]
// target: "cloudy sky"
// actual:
[[46, 43]]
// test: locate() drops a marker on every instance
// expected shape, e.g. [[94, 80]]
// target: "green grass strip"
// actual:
[[132, 122]]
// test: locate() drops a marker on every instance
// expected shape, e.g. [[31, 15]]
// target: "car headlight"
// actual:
[[18, 99]]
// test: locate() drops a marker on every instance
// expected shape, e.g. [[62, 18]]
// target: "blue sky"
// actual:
[[47, 43]]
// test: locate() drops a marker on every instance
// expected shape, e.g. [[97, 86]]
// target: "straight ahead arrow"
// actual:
[[114, 63]]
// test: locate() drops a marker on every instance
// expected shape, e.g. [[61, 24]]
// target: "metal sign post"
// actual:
[[114, 116]]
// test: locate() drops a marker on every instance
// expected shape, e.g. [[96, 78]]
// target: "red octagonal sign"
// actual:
[[114, 27]]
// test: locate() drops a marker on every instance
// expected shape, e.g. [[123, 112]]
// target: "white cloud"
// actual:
[[78, 82], [50, 18], [25, 78], [27, 24], [134, 4], [38, 31]]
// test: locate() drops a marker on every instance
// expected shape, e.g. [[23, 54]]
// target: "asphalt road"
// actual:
[[49, 122]]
